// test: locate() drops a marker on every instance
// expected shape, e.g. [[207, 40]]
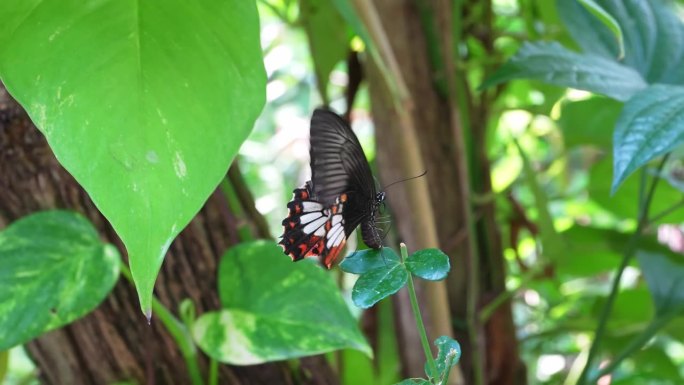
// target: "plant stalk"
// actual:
[[177, 330], [636, 344], [416, 314], [644, 205]]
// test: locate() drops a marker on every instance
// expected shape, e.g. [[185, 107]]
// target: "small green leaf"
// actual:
[[664, 275], [553, 64], [377, 284], [274, 309], [414, 381], [363, 261], [53, 270], [609, 21], [651, 124], [328, 38], [448, 354], [430, 264], [589, 122], [144, 104]]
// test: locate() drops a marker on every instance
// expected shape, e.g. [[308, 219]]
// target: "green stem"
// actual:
[[417, 316], [644, 205], [177, 330], [666, 212], [636, 344], [213, 372]]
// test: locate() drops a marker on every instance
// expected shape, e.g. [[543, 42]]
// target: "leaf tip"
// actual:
[[148, 315]]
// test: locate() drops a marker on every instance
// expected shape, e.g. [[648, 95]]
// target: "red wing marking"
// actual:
[[312, 230]]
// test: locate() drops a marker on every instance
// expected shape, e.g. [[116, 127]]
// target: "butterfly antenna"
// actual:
[[404, 180]]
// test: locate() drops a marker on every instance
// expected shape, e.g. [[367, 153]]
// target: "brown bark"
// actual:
[[436, 119], [114, 342]]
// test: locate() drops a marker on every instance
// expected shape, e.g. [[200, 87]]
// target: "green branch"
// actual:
[[416, 314], [644, 205]]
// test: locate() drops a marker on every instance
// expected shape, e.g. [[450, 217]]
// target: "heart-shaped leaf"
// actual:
[[363, 261], [651, 124], [553, 64], [144, 103], [53, 270], [430, 264], [274, 309], [378, 284]]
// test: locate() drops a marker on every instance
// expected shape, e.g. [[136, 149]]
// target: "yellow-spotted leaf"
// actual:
[[274, 309], [53, 270]]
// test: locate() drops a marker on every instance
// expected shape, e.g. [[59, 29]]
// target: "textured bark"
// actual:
[[114, 342], [437, 121]]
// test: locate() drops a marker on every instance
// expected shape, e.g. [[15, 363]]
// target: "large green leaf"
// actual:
[[651, 124], [144, 103], [53, 270], [554, 64], [274, 309], [653, 35], [589, 122], [328, 38], [664, 274]]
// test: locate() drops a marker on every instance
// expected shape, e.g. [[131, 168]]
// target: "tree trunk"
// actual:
[[114, 342], [436, 120]]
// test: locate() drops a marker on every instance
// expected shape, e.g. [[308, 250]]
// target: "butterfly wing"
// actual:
[[338, 164], [312, 229]]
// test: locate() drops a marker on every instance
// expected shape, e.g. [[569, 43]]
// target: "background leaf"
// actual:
[[274, 309], [651, 124], [664, 275], [623, 202], [551, 241], [608, 21], [363, 261], [654, 41], [589, 122], [430, 264], [53, 270], [554, 64], [328, 38], [144, 104], [377, 284]]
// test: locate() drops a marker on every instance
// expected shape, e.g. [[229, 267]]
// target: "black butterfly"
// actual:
[[340, 195]]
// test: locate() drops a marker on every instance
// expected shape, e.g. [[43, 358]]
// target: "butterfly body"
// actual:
[[340, 196]]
